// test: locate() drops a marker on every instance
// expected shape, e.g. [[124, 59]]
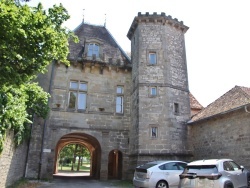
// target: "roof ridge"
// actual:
[[243, 91], [218, 106], [123, 52]]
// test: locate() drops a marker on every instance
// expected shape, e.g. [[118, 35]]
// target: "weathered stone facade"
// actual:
[[155, 122], [12, 161], [225, 136], [159, 34]]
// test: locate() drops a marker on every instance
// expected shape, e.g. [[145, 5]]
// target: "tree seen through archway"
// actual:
[[74, 157]]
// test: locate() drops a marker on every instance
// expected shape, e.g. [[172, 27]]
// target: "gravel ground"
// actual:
[[76, 183]]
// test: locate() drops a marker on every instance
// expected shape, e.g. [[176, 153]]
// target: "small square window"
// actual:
[[83, 86], [152, 58], [73, 85], [153, 91], [154, 132], [119, 90]]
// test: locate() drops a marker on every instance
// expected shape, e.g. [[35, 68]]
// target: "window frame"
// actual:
[[151, 93], [176, 108], [119, 94], [151, 52], [92, 50], [78, 92], [154, 56], [151, 131]]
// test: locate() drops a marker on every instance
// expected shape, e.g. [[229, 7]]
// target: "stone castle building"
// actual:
[[128, 111], [124, 111]]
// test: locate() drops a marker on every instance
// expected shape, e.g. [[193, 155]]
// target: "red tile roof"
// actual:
[[194, 104], [234, 98]]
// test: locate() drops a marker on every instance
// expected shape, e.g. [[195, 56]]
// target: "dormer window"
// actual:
[[93, 50]]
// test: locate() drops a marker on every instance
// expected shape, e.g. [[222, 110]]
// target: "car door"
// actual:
[[173, 171], [239, 175], [231, 173]]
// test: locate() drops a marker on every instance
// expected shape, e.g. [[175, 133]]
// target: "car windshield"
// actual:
[[201, 169]]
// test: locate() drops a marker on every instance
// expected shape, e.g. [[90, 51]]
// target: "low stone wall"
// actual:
[[12, 161]]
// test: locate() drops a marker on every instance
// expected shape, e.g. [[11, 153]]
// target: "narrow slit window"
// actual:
[[119, 99], [176, 108], [154, 132]]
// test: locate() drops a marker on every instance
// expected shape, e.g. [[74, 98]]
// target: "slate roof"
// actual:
[[233, 99], [86, 31], [194, 104]]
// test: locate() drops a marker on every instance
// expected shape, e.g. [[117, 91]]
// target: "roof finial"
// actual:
[[83, 16], [105, 21]]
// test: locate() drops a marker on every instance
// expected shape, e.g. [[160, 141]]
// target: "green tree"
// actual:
[[30, 39]]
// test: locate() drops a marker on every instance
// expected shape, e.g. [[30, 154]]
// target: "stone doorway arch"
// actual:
[[90, 142], [115, 164]]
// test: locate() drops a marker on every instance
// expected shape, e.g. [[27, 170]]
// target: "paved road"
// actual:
[[83, 183]]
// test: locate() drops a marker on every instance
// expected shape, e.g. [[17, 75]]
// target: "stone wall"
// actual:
[[227, 136], [99, 120], [12, 161], [150, 34]]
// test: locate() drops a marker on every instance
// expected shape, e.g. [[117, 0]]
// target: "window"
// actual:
[[153, 91], [77, 95], [176, 108], [119, 99], [152, 58], [154, 132], [93, 49], [231, 166], [173, 166]]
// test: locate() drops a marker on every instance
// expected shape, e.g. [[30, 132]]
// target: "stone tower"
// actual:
[[160, 93]]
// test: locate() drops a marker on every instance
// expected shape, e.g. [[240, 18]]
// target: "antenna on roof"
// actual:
[[83, 16], [105, 21]]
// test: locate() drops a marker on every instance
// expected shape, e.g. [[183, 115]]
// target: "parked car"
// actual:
[[158, 174], [214, 173]]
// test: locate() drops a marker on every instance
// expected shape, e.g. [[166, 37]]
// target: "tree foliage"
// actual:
[[72, 151], [30, 39]]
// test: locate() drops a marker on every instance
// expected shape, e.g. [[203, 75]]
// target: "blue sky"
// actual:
[[217, 42]]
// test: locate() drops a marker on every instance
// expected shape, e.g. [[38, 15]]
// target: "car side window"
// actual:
[[227, 166], [162, 167], [234, 165], [171, 166], [181, 166]]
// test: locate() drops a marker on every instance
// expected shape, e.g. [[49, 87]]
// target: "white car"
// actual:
[[159, 174], [214, 173]]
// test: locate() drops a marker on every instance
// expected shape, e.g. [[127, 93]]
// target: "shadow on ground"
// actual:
[[79, 182]]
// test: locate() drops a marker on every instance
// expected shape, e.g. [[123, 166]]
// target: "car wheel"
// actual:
[[162, 184], [228, 185]]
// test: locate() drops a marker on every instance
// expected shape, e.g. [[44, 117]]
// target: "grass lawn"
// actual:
[[84, 168]]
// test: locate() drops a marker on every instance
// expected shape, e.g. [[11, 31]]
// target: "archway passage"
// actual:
[[85, 140], [115, 165]]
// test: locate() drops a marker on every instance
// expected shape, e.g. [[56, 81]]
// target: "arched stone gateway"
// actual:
[[90, 142]]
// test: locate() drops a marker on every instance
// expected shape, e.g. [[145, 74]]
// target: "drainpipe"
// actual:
[[28, 149], [45, 123]]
